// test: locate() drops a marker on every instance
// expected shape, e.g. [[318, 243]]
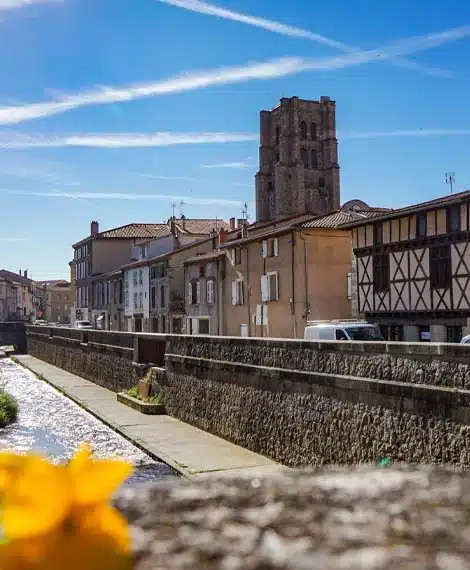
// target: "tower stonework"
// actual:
[[298, 160]]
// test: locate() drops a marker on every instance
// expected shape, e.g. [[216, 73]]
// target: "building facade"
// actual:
[[108, 301], [298, 160], [21, 298], [413, 270], [204, 281], [59, 301]]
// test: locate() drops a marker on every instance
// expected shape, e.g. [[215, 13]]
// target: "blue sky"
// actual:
[[115, 109]]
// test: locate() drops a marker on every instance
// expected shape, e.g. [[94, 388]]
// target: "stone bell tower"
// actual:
[[298, 160]]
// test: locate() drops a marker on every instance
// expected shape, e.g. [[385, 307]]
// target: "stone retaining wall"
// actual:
[[303, 418], [108, 359], [421, 363]]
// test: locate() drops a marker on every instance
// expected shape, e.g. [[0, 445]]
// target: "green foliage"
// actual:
[[8, 408], [154, 399]]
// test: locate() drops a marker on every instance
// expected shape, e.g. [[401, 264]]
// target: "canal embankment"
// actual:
[[187, 449]]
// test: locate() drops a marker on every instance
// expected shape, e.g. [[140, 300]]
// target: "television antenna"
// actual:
[[245, 214], [450, 179], [173, 207], [181, 208]]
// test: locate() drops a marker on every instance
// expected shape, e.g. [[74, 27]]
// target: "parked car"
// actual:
[[465, 339], [342, 330], [40, 323], [83, 325]]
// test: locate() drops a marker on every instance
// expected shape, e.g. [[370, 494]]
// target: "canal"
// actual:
[[53, 425]]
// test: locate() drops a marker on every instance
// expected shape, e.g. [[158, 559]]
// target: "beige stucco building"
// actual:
[[413, 270], [59, 301]]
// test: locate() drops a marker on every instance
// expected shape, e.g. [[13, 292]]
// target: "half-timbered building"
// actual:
[[413, 270]]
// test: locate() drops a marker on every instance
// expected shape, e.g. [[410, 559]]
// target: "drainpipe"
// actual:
[[294, 320], [307, 304]]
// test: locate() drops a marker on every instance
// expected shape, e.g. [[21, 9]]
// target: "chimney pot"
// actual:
[[232, 223], [25, 273], [222, 236], [94, 228]]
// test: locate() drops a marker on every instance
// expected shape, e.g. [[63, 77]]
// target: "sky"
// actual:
[[114, 110]]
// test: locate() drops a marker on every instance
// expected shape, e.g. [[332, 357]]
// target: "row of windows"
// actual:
[[453, 224], [440, 269], [304, 156], [194, 293], [269, 289], [304, 131], [153, 297], [395, 333]]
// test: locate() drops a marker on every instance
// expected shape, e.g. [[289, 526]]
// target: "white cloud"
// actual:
[[242, 164], [286, 30], [222, 76], [126, 196], [407, 133], [15, 4], [122, 140]]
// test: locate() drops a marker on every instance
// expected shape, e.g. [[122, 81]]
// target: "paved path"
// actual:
[[191, 451]]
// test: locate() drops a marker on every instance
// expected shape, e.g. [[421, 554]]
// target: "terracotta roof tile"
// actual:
[[336, 219], [201, 226], [136, 231]]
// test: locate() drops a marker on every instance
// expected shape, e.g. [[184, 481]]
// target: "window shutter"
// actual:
[[264, 288], [234, 292], [349, 285], [241, 299], [265, 248], [190, 293], [198, 292], [276, 247], [276, 281], [232, 256]]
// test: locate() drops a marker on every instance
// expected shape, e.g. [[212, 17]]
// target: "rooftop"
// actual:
[[336, 219], [132, 231], [200, 225], [205, 257]]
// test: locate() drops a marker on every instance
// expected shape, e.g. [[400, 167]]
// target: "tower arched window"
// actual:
[[314, 158], [313, 131], [304, 156], [303, 130], [278, 134], [278, 157]]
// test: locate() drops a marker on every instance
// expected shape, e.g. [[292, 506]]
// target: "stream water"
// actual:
[[53, 425]]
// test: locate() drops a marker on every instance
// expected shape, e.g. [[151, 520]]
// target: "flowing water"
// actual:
[[53, 425]]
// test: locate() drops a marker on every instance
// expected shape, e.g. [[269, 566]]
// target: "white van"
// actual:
[[342, 330]]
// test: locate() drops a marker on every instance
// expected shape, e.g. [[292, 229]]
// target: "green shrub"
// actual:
[[8, 408], [154, 399]]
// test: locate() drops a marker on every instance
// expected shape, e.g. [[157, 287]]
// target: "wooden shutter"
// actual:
[[264, 288], [234, 292], [265, 248], [190, 293], [276, 247], [232, 256], [198, 292], [349, 285]]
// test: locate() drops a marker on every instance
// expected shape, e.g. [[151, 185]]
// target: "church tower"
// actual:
[[298, 160]]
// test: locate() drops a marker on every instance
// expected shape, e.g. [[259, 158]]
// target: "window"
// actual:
[[304, 157], [454, 333], [340, 335], [237, 292], [440, 267], [194, 292], [155, 324], [321, 182], [153, 272], [177, 325], [203, 326], [134, 278], [238, 256], [270, 247], [270, 287], [421, 225], [396, 333], [270, 187], [210, 286], [153, 297], [135, 300], [278, 134], [313, 131], [378, 234], [453, 218], [381, 272], [141, 300], [140, 277], [303, 130], [163, 324], [278, 156], [162, 296], [313, 159]]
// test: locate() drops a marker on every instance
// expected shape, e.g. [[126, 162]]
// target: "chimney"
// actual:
[[19, 272], [94, 228], [25, 274], [241, 222], [183, 219], [232, 223], [172, 226], [222, 236]]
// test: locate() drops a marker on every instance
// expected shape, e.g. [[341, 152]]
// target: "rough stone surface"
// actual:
[[106, 365], [302, 419], [360, 519], [421, 363]]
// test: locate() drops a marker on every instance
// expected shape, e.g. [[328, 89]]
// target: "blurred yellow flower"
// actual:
[[58, 516]]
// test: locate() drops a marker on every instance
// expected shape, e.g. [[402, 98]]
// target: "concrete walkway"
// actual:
[[189, 450]]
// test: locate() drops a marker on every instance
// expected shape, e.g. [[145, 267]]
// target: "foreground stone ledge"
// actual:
[[367, 518]]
